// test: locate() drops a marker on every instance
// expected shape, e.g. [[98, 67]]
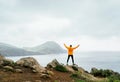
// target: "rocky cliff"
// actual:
[[29, 70]]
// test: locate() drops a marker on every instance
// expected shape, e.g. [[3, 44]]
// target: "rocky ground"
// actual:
[[34, 77], [29, 70]]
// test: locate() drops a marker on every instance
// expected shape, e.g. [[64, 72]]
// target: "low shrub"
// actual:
[[76, 78], [75, 75], [102, 73], [114, 78], [61, 68], [111, 75]]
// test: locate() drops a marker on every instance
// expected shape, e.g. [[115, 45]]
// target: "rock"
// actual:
[[27, 81], [34, 71], [27, 62], [81, 73], [50, 72], [30, 62], [70, 69], [8, 62], [53, 64], [1, 62], [39, 68], [18, 71], [75, 67], [8, 68], [93, 70], [1, 57], [88, 77], [81, 70], [45, 76]]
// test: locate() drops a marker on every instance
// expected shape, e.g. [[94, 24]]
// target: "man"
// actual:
[[70, 52]]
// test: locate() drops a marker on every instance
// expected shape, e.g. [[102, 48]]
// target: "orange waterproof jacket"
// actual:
[[70, 49]]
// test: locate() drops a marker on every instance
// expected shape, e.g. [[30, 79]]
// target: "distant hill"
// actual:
[[49, 47], [9, 50]]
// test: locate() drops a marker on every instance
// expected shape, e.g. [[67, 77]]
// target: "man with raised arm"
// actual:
[[70, 52]]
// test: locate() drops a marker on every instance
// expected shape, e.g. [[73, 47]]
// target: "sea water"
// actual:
[[86, 60]]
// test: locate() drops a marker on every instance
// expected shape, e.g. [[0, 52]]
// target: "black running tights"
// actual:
[[69, 58]]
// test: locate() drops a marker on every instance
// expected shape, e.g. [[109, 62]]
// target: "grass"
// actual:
[[76, 78]]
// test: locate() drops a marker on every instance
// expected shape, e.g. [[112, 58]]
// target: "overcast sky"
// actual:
[[94, 24]]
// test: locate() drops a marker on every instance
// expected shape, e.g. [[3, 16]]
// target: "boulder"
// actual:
[[8, 62], [50, 73], [8, 68], [18, 70], [81, 70], [30, 62], [93, 70], [70, 69], [1, 62], [45, 76], [53, 64], [1, 57], [34, 71]]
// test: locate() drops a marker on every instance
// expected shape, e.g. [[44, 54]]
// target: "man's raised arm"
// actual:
[[65, 45], [76, 47]]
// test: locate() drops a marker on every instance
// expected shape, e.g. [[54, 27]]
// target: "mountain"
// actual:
[[49, 47], [9, 50]]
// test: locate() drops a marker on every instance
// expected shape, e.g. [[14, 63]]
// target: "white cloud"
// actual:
[[106, 44], [8, 3], [48, 23], [35, 31], [91, 23]]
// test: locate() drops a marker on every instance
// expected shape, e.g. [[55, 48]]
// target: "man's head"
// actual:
[[70, 45]]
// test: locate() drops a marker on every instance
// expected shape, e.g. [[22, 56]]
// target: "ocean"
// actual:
[[86, 60]]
